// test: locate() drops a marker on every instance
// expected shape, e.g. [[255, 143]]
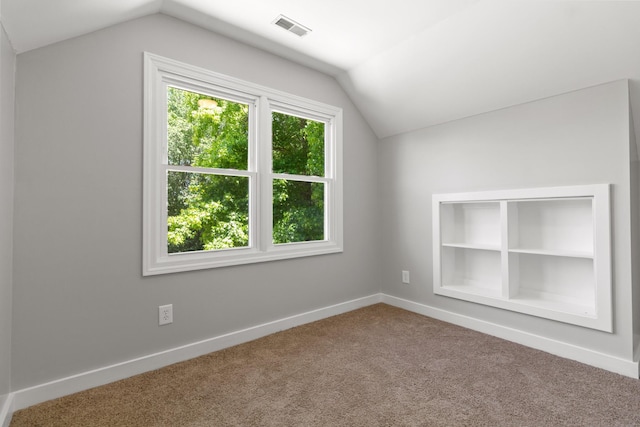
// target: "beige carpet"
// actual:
[[377, 366]]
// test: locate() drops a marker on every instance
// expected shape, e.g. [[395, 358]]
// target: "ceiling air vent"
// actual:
[[291, 26]]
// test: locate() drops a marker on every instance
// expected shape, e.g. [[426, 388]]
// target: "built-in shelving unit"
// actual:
[[543, 251]]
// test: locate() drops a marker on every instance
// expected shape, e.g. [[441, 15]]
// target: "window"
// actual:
[[235, 173]]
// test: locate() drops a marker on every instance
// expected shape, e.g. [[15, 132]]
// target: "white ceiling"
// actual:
[[406, 64]]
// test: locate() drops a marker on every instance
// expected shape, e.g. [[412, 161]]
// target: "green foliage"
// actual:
[[298, 207], [213, 135], [298, 211], [298, 145], [209, 211], [214, 213]]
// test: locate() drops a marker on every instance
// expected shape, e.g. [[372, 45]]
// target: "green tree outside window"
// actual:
[[208, 211]]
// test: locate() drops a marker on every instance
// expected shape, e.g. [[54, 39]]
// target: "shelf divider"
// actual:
[[504, 244]]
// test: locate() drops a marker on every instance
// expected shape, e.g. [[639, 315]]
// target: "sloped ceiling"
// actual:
[[494, 55], [406, 64]]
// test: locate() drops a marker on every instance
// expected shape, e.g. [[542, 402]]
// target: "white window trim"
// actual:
[[160, 72]]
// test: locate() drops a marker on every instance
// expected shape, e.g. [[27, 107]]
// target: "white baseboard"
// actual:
[[83, 381], [621, 366], [33, 395], [6, 409]]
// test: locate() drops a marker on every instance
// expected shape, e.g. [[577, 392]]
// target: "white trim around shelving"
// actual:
[[629, 368], [595, 312]]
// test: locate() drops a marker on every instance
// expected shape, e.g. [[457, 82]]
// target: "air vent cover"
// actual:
[[291, 26]]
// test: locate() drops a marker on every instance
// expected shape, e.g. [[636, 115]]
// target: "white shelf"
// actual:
[[466, 289], [546, 302], [485, 247], [543, 251], [548, 252]]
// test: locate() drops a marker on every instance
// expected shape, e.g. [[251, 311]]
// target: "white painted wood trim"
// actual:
[[82, 381], [629, 368], [6, 409], [543, 193], [97, 377], [159, 73]]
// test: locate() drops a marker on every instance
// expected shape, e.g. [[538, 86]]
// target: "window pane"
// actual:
[[207, 212], [205, 131], [298, 211], [298, 145]]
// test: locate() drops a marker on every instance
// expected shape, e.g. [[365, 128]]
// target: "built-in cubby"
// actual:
[[562, 227], [471, 225], [474, 271], [541, 251]]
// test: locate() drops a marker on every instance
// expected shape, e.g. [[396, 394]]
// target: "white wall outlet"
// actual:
[[405, 277], [165, 314]]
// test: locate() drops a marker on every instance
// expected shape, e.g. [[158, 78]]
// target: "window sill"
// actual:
[[176, 263]]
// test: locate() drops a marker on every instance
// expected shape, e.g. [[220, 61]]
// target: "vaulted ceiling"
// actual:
[[406, 64]]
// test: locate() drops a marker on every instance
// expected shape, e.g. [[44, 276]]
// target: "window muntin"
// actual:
[[199, 166]]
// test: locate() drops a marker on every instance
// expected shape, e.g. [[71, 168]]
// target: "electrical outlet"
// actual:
[[165, 314], [405, 277]]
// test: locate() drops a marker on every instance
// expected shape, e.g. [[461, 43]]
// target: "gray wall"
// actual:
[[7, 67], [80, 301], [577, 138]]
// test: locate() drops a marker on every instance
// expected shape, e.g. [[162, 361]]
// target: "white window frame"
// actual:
[[160, 73]]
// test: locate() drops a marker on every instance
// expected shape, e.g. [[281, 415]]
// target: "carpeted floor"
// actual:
[[377, 366]]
